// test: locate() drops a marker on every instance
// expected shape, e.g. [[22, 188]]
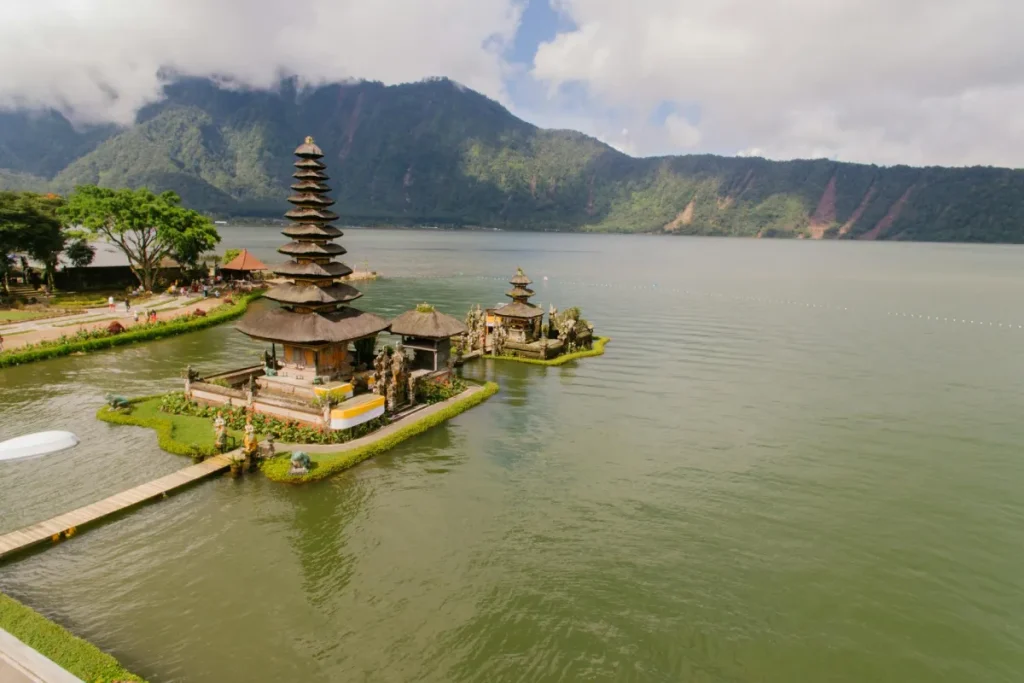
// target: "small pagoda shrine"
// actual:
[[518, 329], [520, 319], [314, 324]]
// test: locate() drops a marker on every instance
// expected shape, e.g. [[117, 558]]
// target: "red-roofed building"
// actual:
[[242, 264]]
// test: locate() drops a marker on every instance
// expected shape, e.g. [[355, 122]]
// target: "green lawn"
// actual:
[[177, 433], [180, 433], [20, 316], [81, 658]]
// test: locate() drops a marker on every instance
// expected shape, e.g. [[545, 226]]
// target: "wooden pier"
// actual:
[[65, 526]]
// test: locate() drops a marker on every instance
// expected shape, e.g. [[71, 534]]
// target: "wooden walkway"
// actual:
[[64, 526]]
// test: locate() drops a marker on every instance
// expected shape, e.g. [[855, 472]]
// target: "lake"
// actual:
[[797, 461]]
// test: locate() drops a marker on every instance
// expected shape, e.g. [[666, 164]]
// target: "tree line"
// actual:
[[146, 227]]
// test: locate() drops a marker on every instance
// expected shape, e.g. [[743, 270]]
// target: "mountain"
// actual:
[[436, 153]]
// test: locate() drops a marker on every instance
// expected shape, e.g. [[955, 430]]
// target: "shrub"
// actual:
[[434, 392], [199, 313], [115, 328]]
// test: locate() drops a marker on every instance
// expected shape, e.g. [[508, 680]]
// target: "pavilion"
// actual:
[[242, 266], [429, 334], [521, 319]]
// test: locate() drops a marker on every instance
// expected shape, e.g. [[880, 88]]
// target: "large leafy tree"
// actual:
[[146, 227], [29, 225]]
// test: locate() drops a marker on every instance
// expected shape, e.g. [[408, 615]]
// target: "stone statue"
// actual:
[[249, 442], [381, 372], [300, 463], [250, 391], [268, 360], [267, 450], [565, 326], [391, 397], [220, 432], [327, 412], [398, 386], [117, 402], [191, 374], [498, 339], [475, 324], [468, 342]]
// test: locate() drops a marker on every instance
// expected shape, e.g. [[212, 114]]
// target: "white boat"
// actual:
[[33, 445]]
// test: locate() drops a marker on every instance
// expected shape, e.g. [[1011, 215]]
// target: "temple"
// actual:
[[518, 328], [326, 345]]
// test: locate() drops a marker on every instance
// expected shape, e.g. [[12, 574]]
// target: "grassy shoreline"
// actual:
[[190, 436], [598, 350], [146, 413], [79, 657], [170, 329], [329, 464]]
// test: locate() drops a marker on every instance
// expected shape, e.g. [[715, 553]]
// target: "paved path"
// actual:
[[407, 418], [21, 664], [59, 526], [31, 331]]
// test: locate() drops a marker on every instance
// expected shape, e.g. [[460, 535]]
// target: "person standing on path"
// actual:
[[110, 302], [127, 305], [1, 343]]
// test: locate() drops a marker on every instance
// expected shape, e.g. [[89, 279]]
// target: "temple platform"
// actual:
[[291, 398], [303, 389], [542, 349]]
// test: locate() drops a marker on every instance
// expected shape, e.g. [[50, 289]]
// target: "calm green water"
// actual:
[[778, 472]]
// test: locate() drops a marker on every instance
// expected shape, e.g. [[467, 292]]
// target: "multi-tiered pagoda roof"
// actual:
[[520, 295], [314, 306]]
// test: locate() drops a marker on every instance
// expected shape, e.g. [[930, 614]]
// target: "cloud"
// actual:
[[102, 59], [889, 81]]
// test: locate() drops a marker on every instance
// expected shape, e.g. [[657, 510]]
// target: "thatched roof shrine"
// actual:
[[427, 324], [520, 295], [518, 310]]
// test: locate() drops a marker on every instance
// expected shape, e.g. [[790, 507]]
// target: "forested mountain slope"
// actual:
[[436, 153]]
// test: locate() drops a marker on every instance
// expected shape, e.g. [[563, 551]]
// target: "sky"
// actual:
[[919, 82]]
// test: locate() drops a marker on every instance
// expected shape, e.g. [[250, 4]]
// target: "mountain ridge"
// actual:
[[434, 152]]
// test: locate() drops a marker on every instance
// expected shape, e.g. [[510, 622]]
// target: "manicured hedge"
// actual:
[[174, 327], [326, 464], [81, 658], [561, 360]]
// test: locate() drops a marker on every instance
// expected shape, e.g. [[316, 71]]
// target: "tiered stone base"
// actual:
[[288, 398]]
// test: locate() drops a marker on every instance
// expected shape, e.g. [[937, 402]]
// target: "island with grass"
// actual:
[[323, 391], [518, 331]]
